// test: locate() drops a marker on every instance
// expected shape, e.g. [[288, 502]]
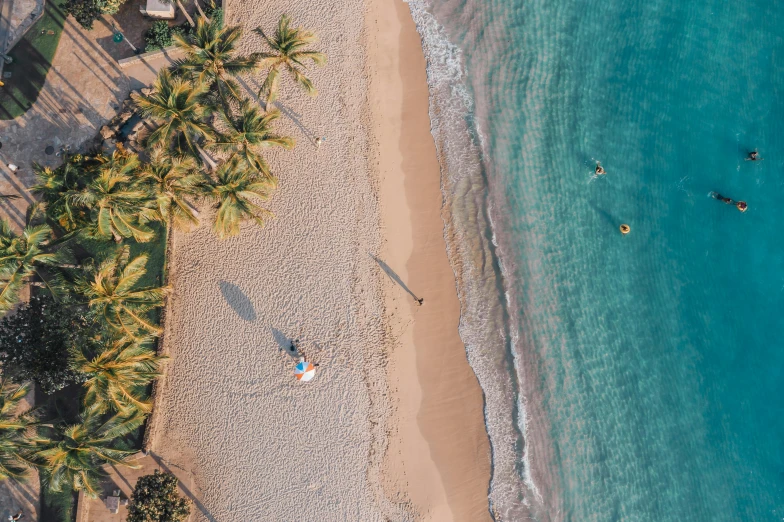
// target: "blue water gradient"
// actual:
[[659, 353]]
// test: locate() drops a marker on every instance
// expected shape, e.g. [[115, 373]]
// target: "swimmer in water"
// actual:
[[740, 205], [716, 195], [599, 169], [754, 156]]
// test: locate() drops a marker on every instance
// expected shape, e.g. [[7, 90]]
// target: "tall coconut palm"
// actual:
[[211, 58], [176, 105], [74, 460], [57, 188], [172, 181], [18, 431], [23, 256], [249, 132], [287, 52], [183, 11], [111, 292], [118, 375], [119, 204], [233, 191]]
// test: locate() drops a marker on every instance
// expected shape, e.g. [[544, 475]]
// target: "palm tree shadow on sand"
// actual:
[[238, 300]]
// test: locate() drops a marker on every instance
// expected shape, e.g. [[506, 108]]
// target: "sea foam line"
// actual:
[[446, 77]]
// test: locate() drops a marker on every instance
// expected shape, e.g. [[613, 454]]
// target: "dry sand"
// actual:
[[377, 435]]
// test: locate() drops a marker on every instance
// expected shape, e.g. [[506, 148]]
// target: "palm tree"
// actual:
[[18, 431], [25, 255], [171, 180], [287, 52], [248, 133], [184, 12], [211, 58], [57, 188], [176, 105], [119, 204], [118, 375], [232, 191], [111, 292], [74, 461]]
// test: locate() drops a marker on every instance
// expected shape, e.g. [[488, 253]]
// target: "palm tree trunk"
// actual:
[[207, 159], [198, 6], [187, 16]]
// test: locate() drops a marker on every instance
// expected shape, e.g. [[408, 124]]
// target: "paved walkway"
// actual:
[[84, 88]]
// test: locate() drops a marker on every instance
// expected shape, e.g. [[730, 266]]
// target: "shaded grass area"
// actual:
[[32, 59], [65, 405], [57, 507], [61, 406], [155, 250]]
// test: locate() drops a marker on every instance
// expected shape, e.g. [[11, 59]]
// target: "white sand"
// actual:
[[264, 446], [352, 444]]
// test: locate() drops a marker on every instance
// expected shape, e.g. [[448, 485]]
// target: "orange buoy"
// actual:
[[625, 229]]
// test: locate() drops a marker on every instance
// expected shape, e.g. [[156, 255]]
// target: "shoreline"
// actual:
[[440, 455]]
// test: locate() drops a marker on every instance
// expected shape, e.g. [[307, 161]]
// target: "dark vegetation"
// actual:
[[93, 254], [155, 499]]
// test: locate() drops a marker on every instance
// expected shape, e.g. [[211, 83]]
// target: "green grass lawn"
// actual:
[[32, 58], [64, 405]]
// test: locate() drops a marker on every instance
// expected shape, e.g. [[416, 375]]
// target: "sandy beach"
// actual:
[[392, 427]]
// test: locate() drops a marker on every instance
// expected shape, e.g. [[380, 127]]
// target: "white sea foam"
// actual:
[[491, 345]]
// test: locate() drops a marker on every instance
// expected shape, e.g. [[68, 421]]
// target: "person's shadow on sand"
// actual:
[[238, 300], [285, 343]]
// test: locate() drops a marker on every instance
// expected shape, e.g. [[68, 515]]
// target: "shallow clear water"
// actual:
[[637, 377]]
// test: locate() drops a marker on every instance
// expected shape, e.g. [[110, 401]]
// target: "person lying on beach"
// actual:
[[599, 169], [294, 348]]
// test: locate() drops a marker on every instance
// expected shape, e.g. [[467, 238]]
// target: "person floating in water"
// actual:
[[754, 156], [599, 169], [740, 205]]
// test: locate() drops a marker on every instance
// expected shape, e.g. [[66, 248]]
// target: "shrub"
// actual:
[[84, 11], [88, 11], [158, 36], [213, 10], [36, 340], [184, 29], [155, 499]]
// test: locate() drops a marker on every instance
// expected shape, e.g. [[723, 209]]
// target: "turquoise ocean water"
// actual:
[[639, 377]]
